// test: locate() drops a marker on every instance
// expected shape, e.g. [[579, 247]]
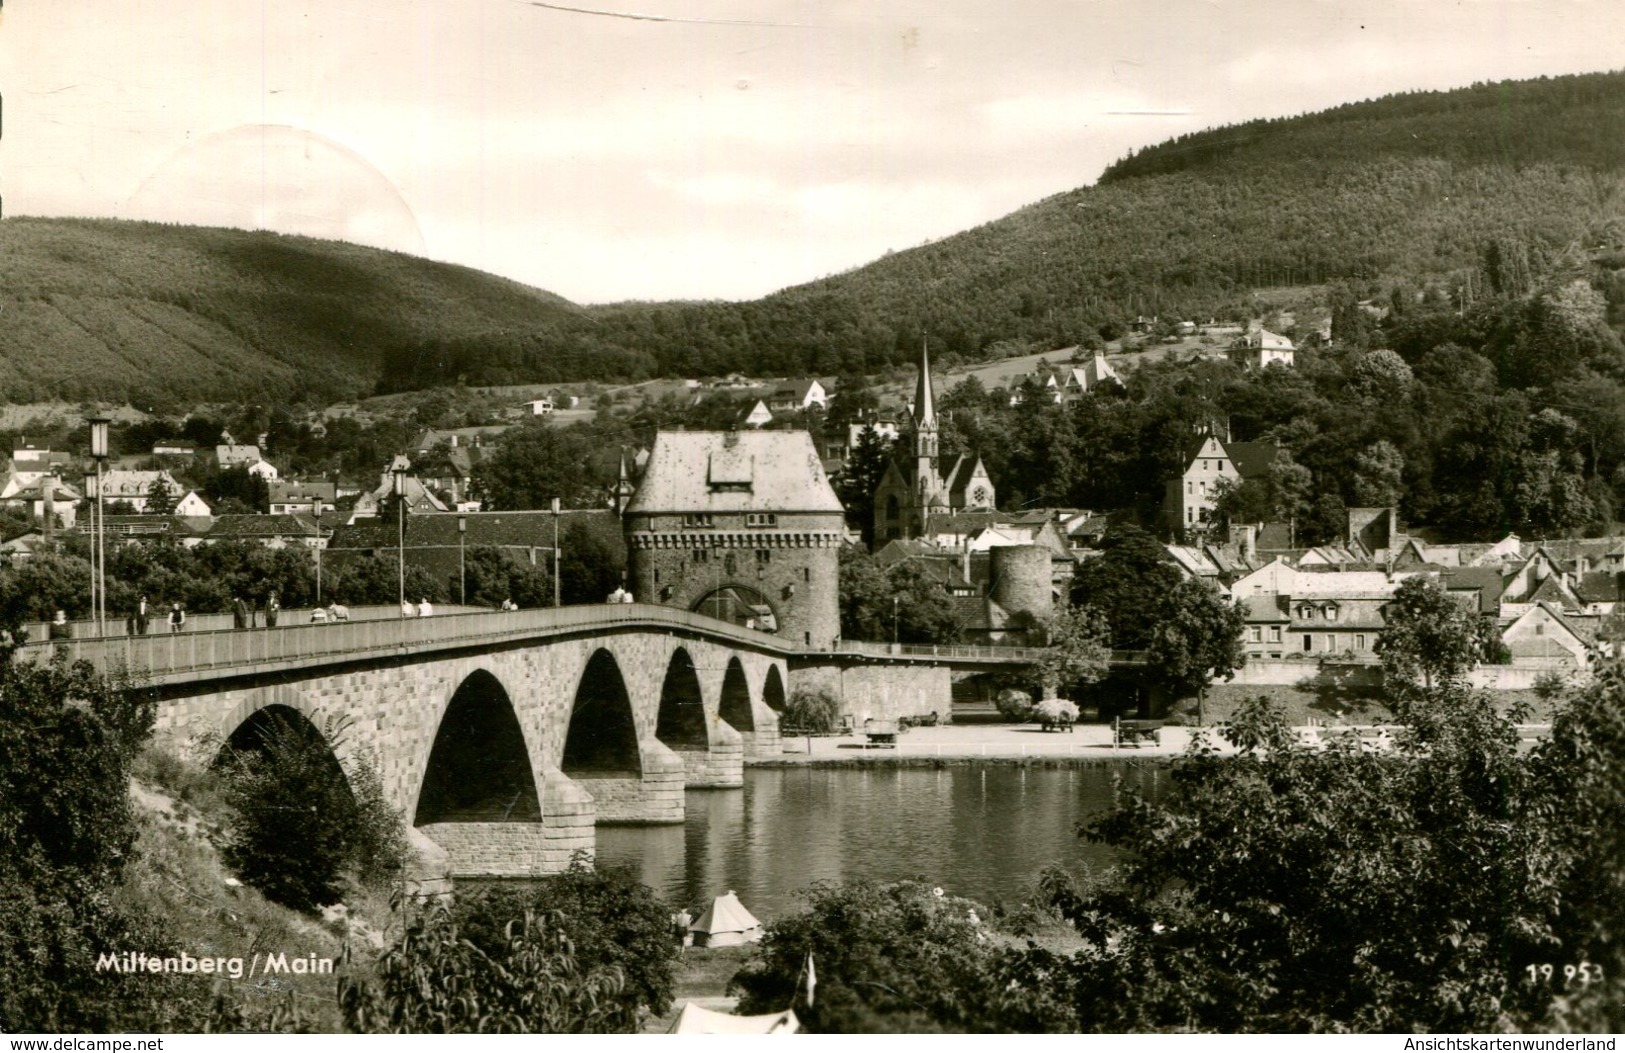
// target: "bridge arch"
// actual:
[[602, 735], [478, 768], [680, 721], [735, 707], [773, 690]]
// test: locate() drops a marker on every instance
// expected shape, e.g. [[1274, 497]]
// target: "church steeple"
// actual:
[[925, 414]]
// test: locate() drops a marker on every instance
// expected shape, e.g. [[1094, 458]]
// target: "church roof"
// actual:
[[716, 471]]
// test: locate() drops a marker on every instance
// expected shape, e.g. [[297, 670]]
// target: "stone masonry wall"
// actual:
[[877, 690], [393, 712]]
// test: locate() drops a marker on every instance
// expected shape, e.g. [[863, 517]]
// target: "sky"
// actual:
[[685, 149]]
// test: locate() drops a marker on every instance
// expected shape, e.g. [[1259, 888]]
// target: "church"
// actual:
[[919, 482]]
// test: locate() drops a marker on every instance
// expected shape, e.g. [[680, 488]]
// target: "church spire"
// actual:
[[925, 406]]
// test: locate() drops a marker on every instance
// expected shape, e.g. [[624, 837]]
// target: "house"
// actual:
[[758, 416], [33, 460], [235, 455], [419, 499], [1312, 613], [1190, 498], [34, 493], [478, 436], [541, 407], [1260, 349], [1544, 636], [1071, 383], [918, 483], [798, 395], [292, 495], [22, 548], [192, 506], [740, 525], [269, 531], [435, 544], [132, 486], [174, 448]]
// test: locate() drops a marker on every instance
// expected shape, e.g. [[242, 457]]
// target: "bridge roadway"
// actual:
[[165, 658], [504, 737]]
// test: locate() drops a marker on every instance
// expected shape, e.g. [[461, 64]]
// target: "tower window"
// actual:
[[697, 519], [761, 519]]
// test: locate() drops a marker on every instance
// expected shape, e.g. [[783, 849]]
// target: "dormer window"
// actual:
[[1330, 611]]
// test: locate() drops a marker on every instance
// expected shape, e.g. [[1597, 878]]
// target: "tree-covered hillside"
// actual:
[[1408, 188], [170, 315]]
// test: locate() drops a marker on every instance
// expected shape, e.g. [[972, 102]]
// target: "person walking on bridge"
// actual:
[[177, 617]]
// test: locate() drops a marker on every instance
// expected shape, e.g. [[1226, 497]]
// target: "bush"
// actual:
[[67, 831], [609, 918], [812, 709], [435, 981], [1014, 705], [900, 957], [301, 828]]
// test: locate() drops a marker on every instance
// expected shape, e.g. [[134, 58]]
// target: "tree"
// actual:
[[67, 836], [1427, 634], [1197, 637], [1382, 375], [537, 462], [1362, 892], [900, 957], [1079, 650], [1379, 478], [301, 829], [434, 981], [611, 921], [491, 577], [865, 467], [1127, 584], [161, 498], [865, 596]]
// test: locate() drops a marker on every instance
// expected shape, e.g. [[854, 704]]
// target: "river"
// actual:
[[981, 831]]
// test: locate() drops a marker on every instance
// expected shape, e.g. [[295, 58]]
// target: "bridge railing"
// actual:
[[975, 652], [164, 653], [169, 653]]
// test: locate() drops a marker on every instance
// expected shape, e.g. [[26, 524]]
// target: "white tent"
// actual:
[[726, 923], [697, 1020]]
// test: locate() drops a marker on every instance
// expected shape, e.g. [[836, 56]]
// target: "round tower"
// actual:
[[1020, 576]]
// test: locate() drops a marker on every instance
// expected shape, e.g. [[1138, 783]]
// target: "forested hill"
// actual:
[[1407, 190], [167, 316]]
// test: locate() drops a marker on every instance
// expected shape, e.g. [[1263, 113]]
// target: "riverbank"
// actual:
[[1085, 743]]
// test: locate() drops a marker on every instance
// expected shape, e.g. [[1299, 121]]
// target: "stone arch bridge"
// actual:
[[502, 736]]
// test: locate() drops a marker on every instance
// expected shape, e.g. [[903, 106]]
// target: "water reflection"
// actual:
[[982, 832]]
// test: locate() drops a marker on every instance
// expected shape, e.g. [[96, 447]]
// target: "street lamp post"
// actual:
[[98, 450], [462, 563], [894, 621], [555, 552], [317, 505], [397, 470]]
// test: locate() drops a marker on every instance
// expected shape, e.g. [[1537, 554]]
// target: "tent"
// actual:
[[726, 923], [697, 1020]]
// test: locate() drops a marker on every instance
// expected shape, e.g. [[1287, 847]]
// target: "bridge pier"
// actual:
[[763, 743], [719, 765], [507, 849], [653, 796]]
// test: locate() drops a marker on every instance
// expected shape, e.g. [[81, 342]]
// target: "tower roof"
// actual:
[[925, 406]]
